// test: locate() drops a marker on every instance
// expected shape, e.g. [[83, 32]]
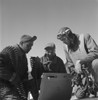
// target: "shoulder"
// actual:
[[87, 36], [59, 59], [6, 52], [11, 47], [7, 49]]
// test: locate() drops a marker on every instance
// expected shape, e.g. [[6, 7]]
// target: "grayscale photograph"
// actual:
[[48, 49]]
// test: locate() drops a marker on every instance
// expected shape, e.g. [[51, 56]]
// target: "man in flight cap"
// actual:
[[51, 62], [81, 52], [14, 69]]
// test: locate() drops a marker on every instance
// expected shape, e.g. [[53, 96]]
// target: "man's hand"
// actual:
[[78, 67]]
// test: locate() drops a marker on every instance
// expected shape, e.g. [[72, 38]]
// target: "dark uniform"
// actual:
[[13, 73], [54, 65]]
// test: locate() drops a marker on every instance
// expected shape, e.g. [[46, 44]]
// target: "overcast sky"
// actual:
[[44, 18]]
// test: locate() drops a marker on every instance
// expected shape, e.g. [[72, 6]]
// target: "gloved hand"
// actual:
[[47, 62], [78, 67], [81, 93], [47, 65], [35, 59]]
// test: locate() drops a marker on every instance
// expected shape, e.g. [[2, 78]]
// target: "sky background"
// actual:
[[44, 18]]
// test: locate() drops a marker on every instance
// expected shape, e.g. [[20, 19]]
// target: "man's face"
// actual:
[[27, 46], [50, 52], [64, 36], [65, 40]]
